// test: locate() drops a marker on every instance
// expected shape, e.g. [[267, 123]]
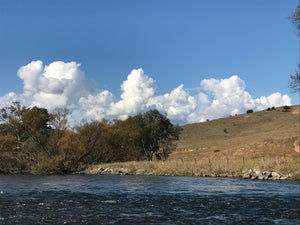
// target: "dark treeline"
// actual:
[[33, 140]]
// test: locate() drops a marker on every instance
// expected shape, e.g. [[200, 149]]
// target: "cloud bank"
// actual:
[[61, 84]]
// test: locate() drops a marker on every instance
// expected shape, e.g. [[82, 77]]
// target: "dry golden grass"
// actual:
[[262, 140], [216, 167], [265, 133]]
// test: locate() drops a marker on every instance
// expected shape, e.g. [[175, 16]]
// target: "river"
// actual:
[[105, 199]]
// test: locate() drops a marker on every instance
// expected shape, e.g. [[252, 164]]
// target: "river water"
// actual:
[[96, 199]]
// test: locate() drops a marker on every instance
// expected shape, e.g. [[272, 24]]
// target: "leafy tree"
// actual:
[[124, 140], [157, 132], [166, 141], [36, 125]]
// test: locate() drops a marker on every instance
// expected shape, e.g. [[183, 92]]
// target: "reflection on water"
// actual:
[[93, 199]]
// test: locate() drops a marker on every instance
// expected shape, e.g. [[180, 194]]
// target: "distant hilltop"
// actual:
[[270, 133]]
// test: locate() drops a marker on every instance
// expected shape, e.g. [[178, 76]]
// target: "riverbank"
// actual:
[[267, 169]]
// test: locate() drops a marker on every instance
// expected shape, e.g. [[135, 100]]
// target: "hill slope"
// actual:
[[271, 134], [261, 141]]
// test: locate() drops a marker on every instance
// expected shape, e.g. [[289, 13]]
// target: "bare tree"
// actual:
[[294, 82], [295, 18]]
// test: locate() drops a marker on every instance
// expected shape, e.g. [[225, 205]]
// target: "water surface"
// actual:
[[94, 199]]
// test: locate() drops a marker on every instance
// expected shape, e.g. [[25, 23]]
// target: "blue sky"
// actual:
[[175, 42]]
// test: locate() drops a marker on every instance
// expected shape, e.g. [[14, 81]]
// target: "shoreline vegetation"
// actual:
[[255, 145], [270, 169]]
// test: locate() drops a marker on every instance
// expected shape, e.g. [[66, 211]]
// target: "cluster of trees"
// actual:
[[33, 139]]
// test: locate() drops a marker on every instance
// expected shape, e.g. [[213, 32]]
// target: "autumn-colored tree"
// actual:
[[66, 159], [126, 135], [34, 139], [92, 138], [62, 143], [12, 124], [59, 126], [13, 157], [104, 141]]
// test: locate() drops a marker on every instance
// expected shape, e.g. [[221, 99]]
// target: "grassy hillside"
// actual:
[[259, 141], [263, 134]]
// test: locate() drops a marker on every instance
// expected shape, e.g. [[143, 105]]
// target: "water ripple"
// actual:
[[146, 200]]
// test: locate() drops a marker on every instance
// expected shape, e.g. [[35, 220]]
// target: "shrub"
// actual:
[[250, 111], [271, 109], [286, 108]]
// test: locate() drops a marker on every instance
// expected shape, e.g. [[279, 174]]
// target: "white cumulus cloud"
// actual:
[[137, 89], [178, 104], [215, 99], [7, 99], [58, 84], [230, 98], [276, 99], [97, 106], [63, 84]]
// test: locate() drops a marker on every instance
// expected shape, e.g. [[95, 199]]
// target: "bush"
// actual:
[[250, 111], [286, 108]]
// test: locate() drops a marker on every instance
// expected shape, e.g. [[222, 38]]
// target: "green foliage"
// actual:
[[249, 111], [35, 123], [157, 132]]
